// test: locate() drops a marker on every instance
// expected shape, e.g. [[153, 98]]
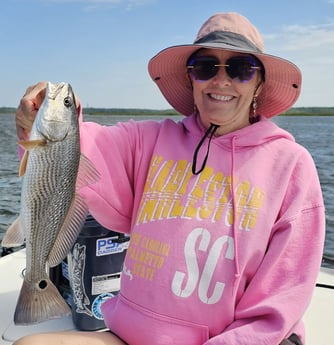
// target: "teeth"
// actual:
[[221, 98]]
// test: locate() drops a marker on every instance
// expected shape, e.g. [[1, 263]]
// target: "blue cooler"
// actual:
[[94, 268]]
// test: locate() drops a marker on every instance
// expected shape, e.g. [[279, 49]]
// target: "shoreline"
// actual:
[[295, 111]]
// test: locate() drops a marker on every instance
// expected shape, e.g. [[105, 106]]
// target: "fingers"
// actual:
[[77, 101], [27, 109]]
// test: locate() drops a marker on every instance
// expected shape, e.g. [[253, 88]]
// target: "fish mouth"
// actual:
[[54, 89]]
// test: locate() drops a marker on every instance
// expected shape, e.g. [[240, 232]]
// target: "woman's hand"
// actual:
[[27, 109]]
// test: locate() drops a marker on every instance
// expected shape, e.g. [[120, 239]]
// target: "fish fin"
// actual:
[[69, 231], [31, 144], [39, 302], [87, 173], [28, 145], [14, 236], [23, 164]]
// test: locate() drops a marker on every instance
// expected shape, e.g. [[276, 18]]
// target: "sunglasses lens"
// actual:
[[241, 68], [203, 67]]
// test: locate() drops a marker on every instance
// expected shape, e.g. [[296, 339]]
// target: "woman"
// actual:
[[224, 209]]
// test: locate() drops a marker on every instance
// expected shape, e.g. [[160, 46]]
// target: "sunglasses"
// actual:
[[240, 68]]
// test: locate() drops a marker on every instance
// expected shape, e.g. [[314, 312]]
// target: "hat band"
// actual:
[[229, 38]]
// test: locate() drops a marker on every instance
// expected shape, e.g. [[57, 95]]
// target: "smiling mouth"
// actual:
[[220, 97]]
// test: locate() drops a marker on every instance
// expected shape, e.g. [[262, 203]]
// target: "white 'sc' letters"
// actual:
[[192, 267], [202, 280]]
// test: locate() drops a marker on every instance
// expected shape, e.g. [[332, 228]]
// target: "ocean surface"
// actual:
[[314, 132]]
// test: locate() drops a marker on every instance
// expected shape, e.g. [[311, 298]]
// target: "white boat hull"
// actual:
[[11, 268], [318, 319]]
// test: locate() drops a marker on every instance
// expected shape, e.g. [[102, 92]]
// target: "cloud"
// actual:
[[305, 44], [311, 48], [310, 37], [296, 37]]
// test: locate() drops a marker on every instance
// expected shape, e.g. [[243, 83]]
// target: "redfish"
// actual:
[[52, 212]]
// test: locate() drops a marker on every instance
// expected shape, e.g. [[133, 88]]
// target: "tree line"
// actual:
[[297, 111]]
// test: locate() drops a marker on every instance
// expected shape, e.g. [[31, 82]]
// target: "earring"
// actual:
[[254, 117], [196, 109]]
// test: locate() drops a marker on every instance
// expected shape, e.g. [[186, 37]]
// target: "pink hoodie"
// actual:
[[227, 257]]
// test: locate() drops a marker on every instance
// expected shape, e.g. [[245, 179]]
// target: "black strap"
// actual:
[[292, 340], [209, 132]]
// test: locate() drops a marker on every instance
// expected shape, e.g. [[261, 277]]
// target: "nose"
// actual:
[[222, 76]]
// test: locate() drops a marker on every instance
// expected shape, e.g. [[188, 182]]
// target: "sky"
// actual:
[[102, 47]]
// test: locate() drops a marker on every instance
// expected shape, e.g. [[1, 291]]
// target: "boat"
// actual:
[[318, 318]]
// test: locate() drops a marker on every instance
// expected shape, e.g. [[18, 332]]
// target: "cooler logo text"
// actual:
[[107, 246]]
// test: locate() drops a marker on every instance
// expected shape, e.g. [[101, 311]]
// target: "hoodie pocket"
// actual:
[[137, 325]]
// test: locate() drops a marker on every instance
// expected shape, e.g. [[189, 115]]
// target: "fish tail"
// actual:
[[39, 302]]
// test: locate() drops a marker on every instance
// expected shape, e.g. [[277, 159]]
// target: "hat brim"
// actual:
[[280, 90]]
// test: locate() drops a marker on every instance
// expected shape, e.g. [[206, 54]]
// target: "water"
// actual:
[[10, 184], [315, 133]]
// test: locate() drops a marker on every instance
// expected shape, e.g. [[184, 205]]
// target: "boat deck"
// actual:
[[318, 319]]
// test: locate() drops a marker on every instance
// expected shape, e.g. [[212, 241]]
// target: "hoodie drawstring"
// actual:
[[209, 133], [235, 214]]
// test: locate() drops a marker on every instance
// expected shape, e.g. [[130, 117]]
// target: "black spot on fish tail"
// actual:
[[39, 302], [43, 284]]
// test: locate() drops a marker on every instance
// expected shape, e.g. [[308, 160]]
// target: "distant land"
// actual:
[[298, 111]]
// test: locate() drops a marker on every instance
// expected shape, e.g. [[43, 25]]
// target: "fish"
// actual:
[[52, 212]]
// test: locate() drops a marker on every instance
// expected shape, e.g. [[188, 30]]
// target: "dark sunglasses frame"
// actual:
[[241, 67]]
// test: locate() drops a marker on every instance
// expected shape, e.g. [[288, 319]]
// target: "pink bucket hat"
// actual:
[[232, 32]]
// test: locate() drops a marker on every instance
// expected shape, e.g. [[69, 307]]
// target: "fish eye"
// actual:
[[68, 102]]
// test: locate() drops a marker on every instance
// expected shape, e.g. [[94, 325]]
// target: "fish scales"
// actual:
[[46, 196]]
